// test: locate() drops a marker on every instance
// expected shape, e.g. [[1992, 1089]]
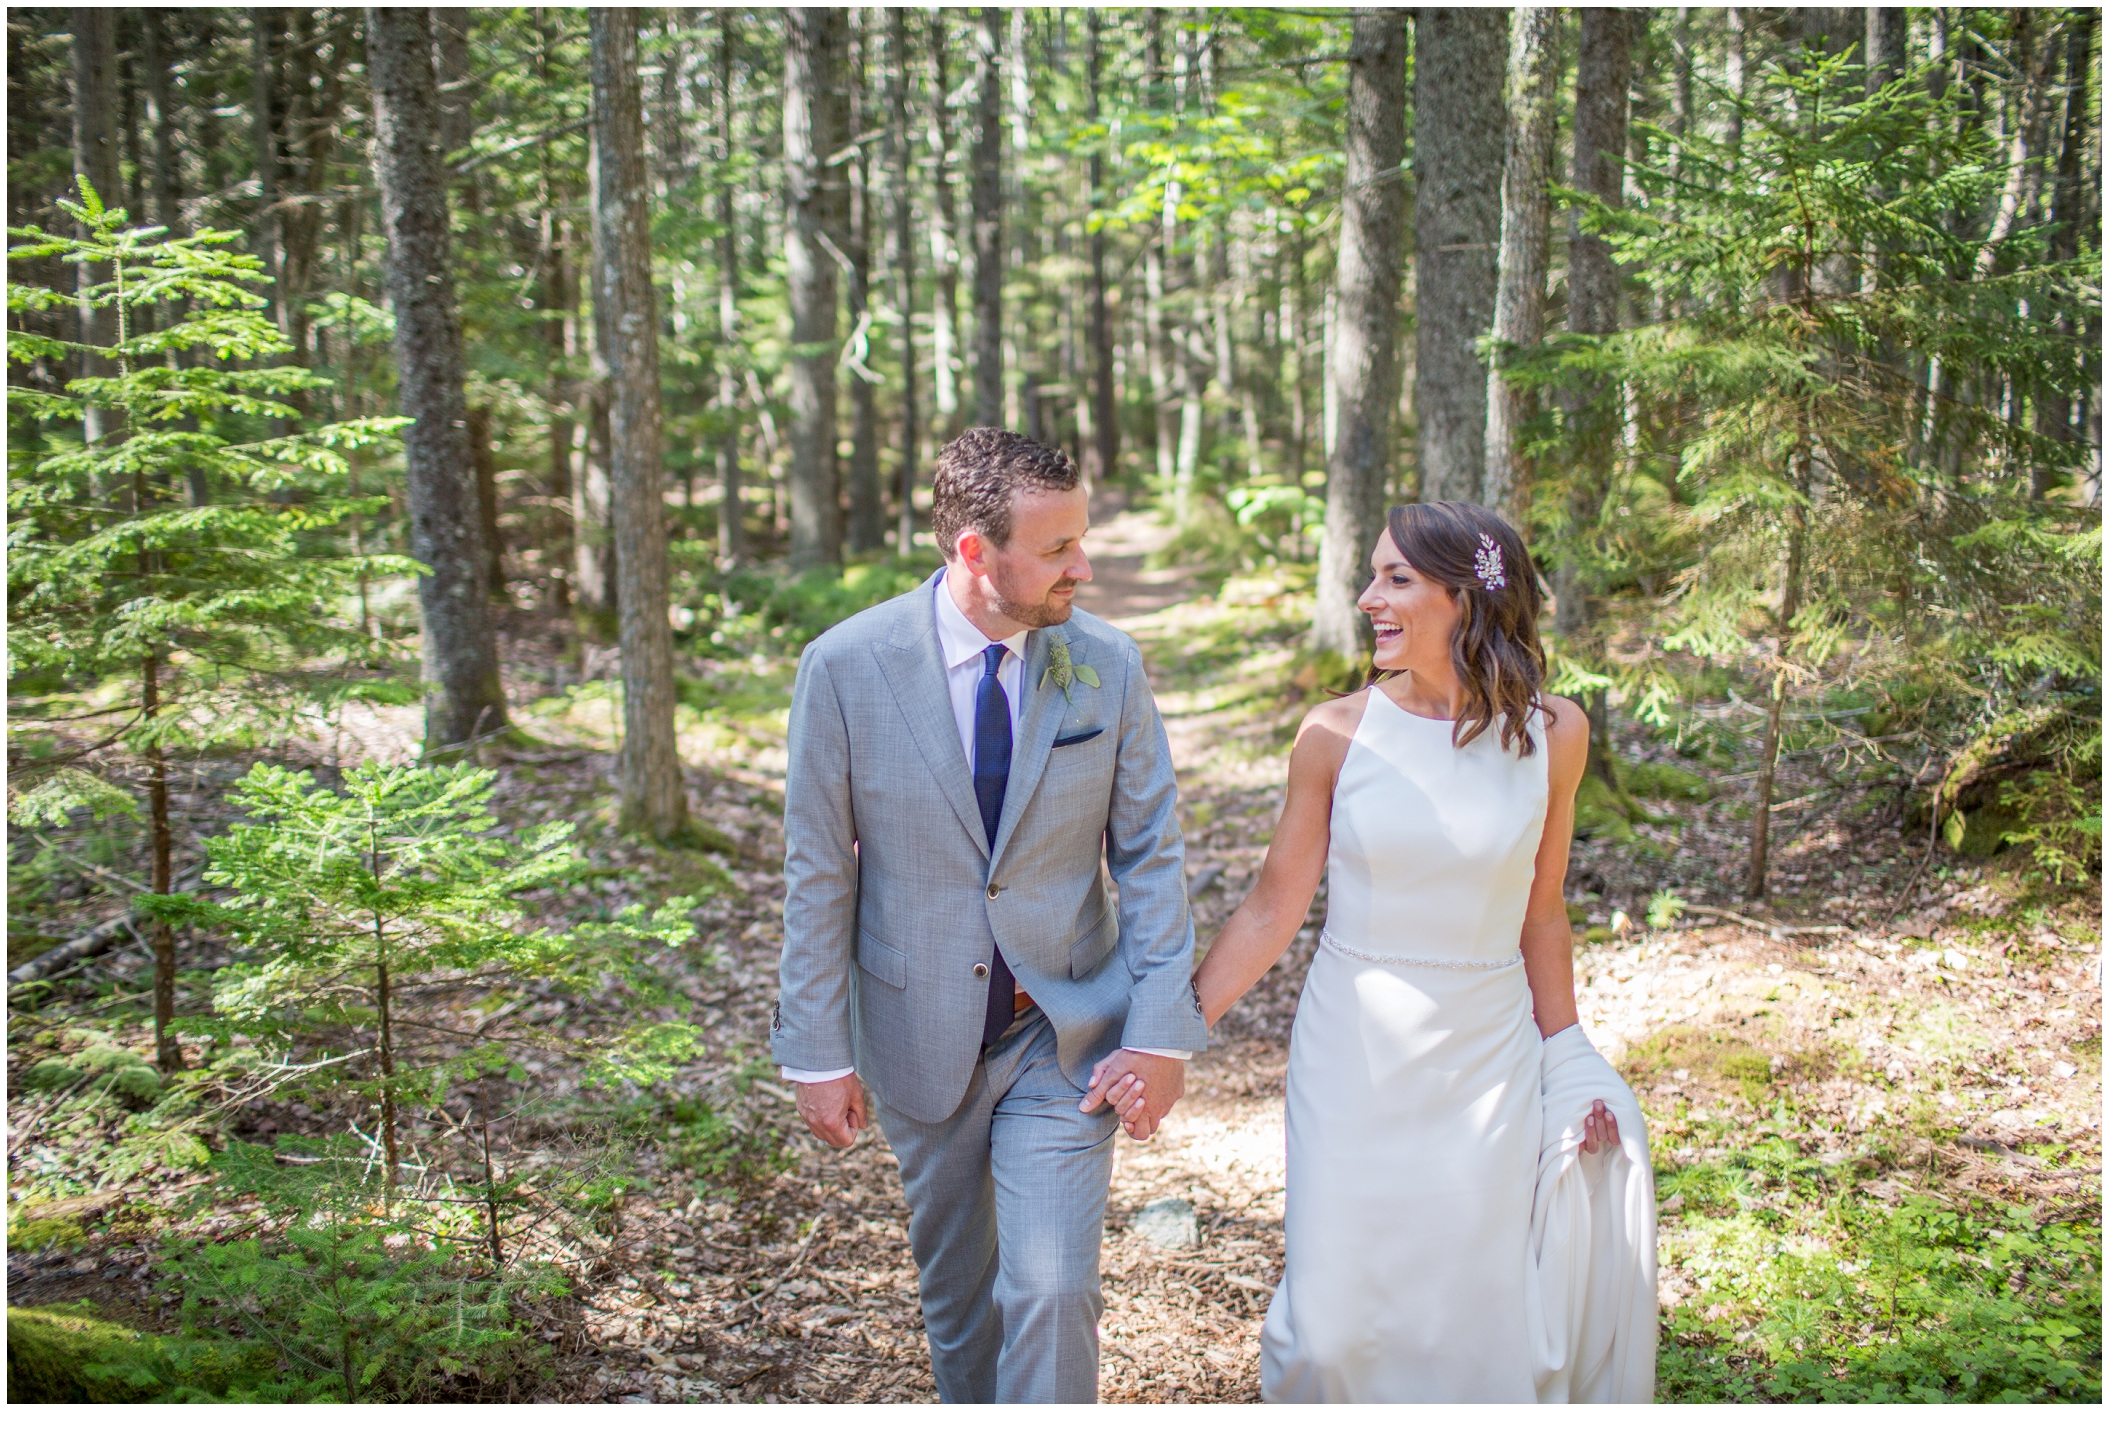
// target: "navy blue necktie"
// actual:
[[992, 774]]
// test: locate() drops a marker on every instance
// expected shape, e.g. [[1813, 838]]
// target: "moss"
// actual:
[[49, 1352], [36, 1235], [51, 1075], [1597, 812], [1665, 779]]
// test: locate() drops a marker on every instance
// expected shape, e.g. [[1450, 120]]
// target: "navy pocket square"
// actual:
[[1080, 737]]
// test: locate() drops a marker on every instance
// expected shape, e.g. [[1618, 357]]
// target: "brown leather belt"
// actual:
[[1020, 1001]]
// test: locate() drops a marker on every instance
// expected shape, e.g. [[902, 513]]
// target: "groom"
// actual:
[[968, 764]]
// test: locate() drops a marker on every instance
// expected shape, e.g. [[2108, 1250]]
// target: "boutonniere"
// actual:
[[1063, 672]]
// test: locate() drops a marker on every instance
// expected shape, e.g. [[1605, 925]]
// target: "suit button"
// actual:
[[993, 890], [981, 970]]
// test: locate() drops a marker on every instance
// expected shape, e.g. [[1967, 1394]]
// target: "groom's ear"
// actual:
[[972, 548]]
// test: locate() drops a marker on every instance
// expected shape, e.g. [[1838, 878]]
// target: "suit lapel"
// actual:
[[1039, 719], [914, 664]]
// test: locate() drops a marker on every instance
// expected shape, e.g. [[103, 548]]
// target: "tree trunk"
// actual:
[[2054, 411], [1526, 240], [95, 145], [1887, 52], [457, 99], [904, 270], [626, 334], [1156, 266], [812, 51], [1783, 632], [1105, 411], [1459, 70], [944, 239], [263, 107], [867, 505], [1603, 80], [1365, 355], [168, 1052], [988, 226], [732, 539], [486, 467], [1735, 75], [461, 651], [154, 42]]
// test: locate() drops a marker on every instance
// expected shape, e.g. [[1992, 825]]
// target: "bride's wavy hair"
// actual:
[[1478, 558]]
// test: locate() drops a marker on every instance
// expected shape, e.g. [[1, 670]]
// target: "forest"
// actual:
[[433, 434]]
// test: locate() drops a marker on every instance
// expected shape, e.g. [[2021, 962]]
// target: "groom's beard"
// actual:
[[1051, 610]]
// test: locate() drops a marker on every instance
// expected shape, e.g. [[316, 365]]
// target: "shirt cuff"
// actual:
[[1184, 1055], [815, 1075]]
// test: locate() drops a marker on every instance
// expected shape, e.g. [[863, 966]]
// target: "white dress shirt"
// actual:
[[962, 644]]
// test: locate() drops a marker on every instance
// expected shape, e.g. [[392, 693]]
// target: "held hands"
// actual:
[[1599, 1129], [1140, 1087], [834, 1110]]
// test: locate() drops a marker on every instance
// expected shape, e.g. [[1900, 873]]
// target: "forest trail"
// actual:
[[1836, 1045]]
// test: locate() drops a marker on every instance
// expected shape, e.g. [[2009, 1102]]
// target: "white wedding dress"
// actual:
[[1447, 1239]]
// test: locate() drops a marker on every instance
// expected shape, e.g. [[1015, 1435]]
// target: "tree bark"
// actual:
[[1365, 354], [467, 697], [1105, 410], [486, 468], [155, 60], [944, 239], [904, 270], [1526, 242], [1887, 45], [1459, 69], [168, 1052], [626, 332], [95, 147], [988, 226], [457, 101], [732, 539], [867, 505], [812, 51], [2054, 412], [1603, 81], [263, 107]]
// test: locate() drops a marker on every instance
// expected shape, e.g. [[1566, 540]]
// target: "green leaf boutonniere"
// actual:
[[1063, 672]]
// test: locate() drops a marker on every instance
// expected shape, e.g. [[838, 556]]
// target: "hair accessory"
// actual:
[[1487, 563]]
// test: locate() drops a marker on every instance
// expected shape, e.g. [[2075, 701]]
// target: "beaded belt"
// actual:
[[1327, 939]]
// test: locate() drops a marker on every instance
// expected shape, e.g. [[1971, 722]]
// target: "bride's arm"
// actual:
[[1262, 927], [1548, 941]]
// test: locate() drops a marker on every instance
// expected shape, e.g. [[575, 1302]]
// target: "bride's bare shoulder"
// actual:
[[1328, 728]]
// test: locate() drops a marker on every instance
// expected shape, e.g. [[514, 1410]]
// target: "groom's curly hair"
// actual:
[[980, 473], [1480, 560]]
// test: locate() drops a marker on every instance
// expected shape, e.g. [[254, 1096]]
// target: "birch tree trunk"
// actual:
[[1526, 214], [867, 507], [1459, 69], [988, 225], [1365, 355], [812, 52], [626, 330], [466, 699]]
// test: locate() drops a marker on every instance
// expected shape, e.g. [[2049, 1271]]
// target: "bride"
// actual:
[[1470, 1212]]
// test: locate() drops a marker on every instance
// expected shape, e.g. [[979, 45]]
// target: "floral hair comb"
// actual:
[[1487, 563]]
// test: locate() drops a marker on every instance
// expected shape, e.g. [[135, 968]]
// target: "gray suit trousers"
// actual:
[[1008, 1197]]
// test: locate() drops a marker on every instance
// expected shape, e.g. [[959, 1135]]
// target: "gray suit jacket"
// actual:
[[893, 894]]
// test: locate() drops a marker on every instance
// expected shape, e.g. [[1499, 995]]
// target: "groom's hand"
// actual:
[[834, 1110], [1141, 1087]]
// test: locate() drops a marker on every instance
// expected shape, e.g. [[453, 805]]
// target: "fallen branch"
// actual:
[[91, 942]]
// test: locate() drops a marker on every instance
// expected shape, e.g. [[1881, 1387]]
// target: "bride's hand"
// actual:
[[1599, 1128]]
